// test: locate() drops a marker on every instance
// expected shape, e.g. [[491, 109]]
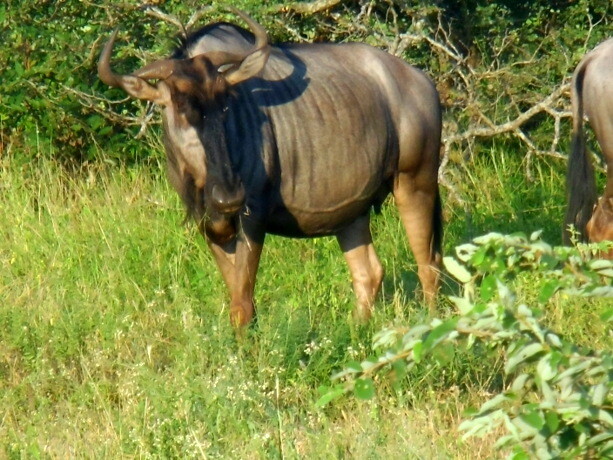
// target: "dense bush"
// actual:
[[51, 95]]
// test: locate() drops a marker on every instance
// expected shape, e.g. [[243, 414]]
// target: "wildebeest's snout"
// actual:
[[227, 200]]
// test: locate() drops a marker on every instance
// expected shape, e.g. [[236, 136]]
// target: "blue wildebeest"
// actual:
[[299, 140], [592, 95]]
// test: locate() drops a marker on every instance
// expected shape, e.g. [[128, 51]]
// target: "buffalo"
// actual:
[[591, 95], [298, 140]]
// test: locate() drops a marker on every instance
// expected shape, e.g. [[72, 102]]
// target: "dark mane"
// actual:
[[210, 30]]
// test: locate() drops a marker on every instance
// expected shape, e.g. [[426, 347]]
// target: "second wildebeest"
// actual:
[[591, 95]]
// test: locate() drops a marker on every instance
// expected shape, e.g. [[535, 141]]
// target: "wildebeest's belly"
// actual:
[[329, 182], [300, 223]]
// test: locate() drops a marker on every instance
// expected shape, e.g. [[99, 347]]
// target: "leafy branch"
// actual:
[[559, 401]]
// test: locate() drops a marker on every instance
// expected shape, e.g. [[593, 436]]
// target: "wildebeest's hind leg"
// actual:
[[355, 241], [420, 210], [600, 224]]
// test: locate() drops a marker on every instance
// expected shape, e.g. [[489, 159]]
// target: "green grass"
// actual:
[[115, 339]]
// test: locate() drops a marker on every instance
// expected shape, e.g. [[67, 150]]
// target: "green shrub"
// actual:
[[557, 401]]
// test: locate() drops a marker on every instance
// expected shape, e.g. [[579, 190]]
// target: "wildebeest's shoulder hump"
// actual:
[[219, 36]]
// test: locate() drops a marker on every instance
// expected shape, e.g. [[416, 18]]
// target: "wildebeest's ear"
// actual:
[[250, 67], [140, 89]]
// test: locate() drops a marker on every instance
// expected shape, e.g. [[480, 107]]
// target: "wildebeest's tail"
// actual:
[[436, 246], [580, 181]]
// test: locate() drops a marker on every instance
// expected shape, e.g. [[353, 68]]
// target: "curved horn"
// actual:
[[104, 66], [236, 69], [158, 70], [261, 37], [134, 85], [225, 58]]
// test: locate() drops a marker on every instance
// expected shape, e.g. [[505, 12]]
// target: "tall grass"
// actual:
[[115, 339]]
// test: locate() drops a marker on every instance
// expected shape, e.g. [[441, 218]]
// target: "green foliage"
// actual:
[[558, 400], [53, 103], [499, 258], [52, 100]]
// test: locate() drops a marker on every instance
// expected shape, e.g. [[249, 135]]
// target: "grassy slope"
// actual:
[[114, 336]]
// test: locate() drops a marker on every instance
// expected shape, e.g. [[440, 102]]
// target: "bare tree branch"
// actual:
[[103, 106], [314, 7], [546, 105], [197, 15], [479, 103], [184, 29], [169, 18]]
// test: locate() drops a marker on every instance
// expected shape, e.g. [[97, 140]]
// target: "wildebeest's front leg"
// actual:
[[224, 256], [366, 270], [249, 245], [238, 263]]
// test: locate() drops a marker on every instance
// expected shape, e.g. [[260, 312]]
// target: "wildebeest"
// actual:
[[299, 140], [592, 95]]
